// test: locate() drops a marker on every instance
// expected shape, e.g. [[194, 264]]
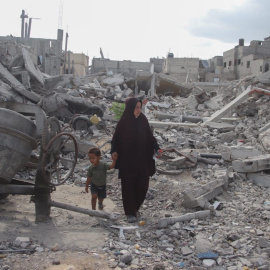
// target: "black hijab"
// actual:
[[134, 143]]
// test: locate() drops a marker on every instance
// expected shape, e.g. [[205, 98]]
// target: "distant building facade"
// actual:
[[235, 64], [126, 67], [183, 69], [48, 52], [244, 60], [76, 64]]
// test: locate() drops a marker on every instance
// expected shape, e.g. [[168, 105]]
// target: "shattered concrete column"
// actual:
[[29, 27], [23, 16], [73, 67], [65, 59], [68, 62], [104, 63], [164, 222], [153, 80], [202, 194], [26, 30]]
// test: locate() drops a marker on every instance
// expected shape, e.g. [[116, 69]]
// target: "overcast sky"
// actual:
[[140, 29]]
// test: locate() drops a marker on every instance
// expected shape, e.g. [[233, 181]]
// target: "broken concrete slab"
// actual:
[[211, 86], [252, 164], [7, 77], [227, 136], [215, 103], [220, 127], [64, 106], [178, 162], [157, 124], [234, 152], [264, 137], [115, 79], [188, 118], [264, 128], [242, 152], [31, 68], [51, 81], [259, 179], [165, 82], [200, 196], [192, 103], [239, 99], [8, 94]]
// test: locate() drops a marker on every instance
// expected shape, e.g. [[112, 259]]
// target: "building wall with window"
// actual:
[[246, 60]]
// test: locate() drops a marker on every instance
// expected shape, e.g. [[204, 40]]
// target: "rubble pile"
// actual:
[[208, 203]]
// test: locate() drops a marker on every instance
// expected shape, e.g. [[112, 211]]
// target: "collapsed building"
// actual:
[[217, 133]]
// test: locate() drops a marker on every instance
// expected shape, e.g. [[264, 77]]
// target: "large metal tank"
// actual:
[[17, 140]]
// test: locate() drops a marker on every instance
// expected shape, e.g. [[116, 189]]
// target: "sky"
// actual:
[[138, 30]]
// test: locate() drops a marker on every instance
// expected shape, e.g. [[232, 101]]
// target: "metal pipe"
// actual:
[[17, 189], [24, 189], [83, 210], [29, 27], [206, 155]]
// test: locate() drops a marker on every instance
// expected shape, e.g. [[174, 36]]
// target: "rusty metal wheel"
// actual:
[[60, 158], [51, 128]]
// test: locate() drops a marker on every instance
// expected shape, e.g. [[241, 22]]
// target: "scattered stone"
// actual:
[[209, 262], [186, 251], [56, 247], [263, 243], [126, 258]]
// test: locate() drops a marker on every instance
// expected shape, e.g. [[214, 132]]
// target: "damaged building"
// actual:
[[207, 206], [249, 60]]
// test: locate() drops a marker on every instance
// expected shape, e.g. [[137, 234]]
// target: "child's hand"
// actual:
[[159, 153], [114, 156]]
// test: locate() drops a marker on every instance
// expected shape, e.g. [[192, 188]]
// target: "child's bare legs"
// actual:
[[100, 203], [94, 201]]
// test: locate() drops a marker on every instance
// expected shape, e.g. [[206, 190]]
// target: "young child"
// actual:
[[96, 175]]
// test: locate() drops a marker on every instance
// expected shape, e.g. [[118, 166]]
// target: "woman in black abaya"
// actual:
[[134, 145]]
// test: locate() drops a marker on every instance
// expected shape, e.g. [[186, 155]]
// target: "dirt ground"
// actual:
[[79, 237]]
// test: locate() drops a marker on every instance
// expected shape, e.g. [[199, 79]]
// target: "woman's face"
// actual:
[[138, 109]]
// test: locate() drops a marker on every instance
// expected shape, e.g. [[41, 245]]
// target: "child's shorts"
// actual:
[[100, 191]]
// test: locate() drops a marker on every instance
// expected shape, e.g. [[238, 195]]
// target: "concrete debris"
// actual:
[[239, 99], [210, 194], [31, 68], [164, 222], [8, 78], [252, 164], [64, 106]]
